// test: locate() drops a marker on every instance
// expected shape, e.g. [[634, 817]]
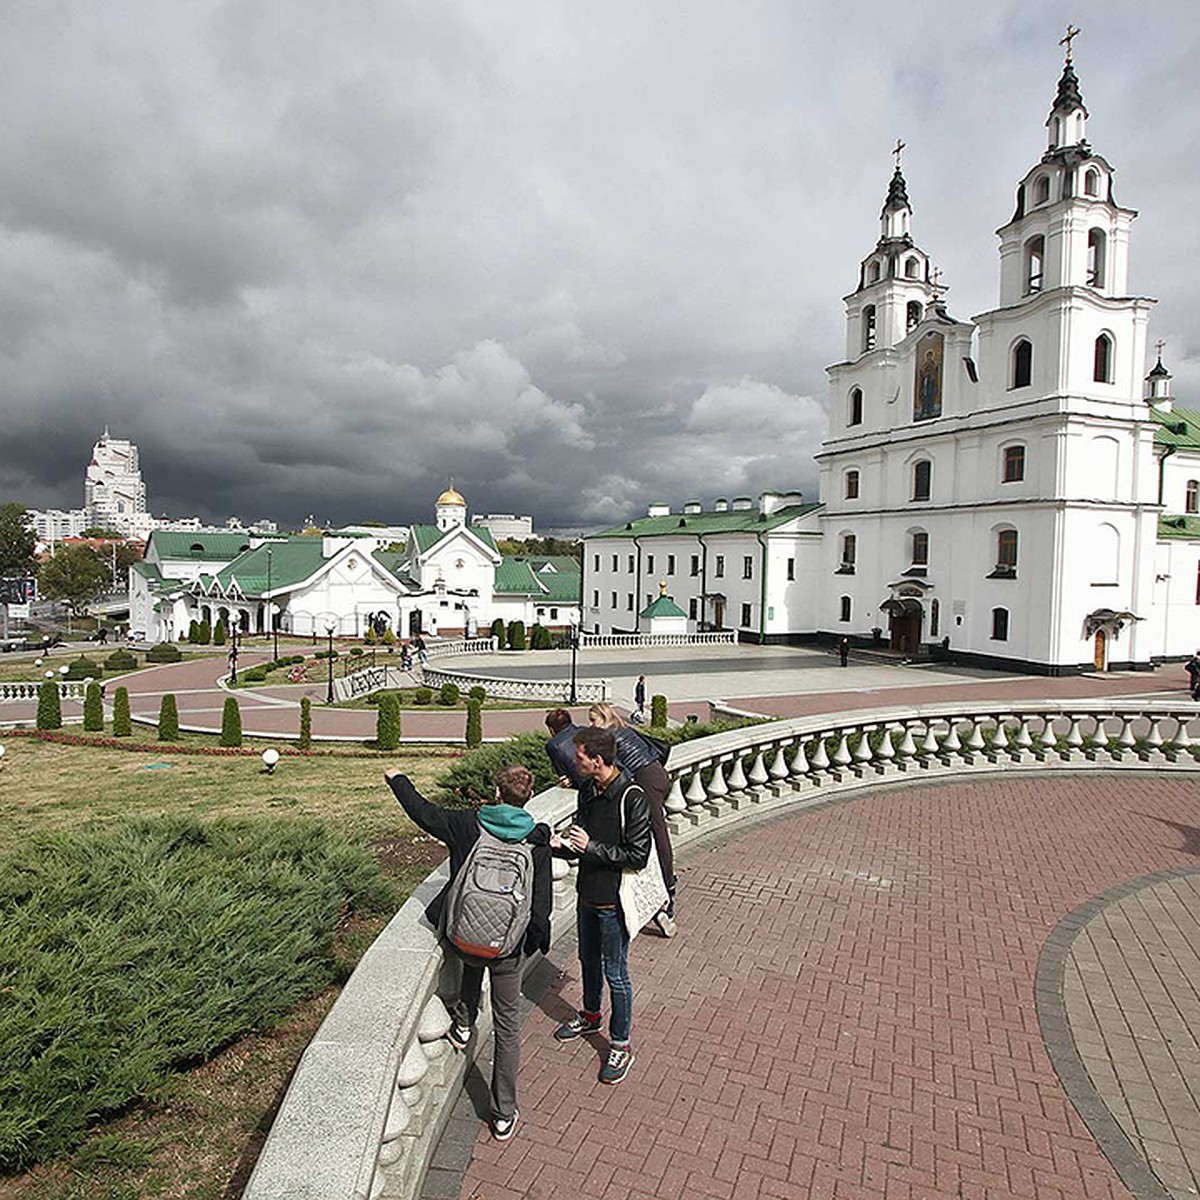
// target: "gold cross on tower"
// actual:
[[898, 148], [1072, 34]]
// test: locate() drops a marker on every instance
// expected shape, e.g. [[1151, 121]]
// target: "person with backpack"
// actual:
[[495, 909], [1192, 667], [610, 832]]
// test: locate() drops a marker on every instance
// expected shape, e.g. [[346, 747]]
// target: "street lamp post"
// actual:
[[270, 611], [329, 693], [574, 653], [267, 606]]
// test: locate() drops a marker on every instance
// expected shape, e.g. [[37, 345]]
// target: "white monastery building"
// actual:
[[1009, 488], [450, 580]]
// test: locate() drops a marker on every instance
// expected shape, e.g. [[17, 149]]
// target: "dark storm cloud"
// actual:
[[316, 260]]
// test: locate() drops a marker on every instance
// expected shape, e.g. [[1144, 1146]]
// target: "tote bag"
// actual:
[[642, 893]]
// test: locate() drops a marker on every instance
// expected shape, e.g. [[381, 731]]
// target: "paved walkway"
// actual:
[[767, 680], [856, 1003]]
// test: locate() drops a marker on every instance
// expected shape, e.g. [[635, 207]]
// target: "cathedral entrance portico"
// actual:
[[906, 615]]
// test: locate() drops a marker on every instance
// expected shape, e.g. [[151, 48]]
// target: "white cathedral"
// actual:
[[1010, 487]]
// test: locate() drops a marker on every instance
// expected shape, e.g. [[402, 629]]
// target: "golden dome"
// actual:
[[450, 496]]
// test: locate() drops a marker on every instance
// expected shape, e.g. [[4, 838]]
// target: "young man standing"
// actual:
[[610, 831], [505, 818]]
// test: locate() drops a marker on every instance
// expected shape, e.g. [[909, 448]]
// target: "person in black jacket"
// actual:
[[560, 747], [610, 831], [505, 818]]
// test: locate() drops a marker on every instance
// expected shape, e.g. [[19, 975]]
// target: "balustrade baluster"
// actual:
[[951, 743], [1182, 738], [974, 742], [1074, 738], [695, 793], [1047, 739], [841, 755], [675, 803], [929, 743], [886, 751], [862, 748], [907, 748], [1154, 738], [1001, 739], [1023, 739], [717, 787], [737, 776], [758, 771], [800, 765], [779, 766], [1125, 739], [820, 757]]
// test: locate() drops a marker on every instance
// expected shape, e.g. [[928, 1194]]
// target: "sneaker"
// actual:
[[459, 1035], [504, 1127], [666, 923], [620, 1059], [578, 1026]]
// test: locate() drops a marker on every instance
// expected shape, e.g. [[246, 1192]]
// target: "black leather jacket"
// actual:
[[617, 821]]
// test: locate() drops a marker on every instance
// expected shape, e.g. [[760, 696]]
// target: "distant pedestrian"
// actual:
[[1192, 667], [419, 647], [406, 657], [233, 657], [844, 651], [639, 700]]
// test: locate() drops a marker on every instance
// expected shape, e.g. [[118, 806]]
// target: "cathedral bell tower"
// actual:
[[894, 281]]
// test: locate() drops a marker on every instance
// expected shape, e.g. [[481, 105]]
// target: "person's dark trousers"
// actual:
[[656, 783], [604, 955], [506, 1024]]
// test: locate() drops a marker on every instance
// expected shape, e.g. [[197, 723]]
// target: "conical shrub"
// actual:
[[387, 722], [122, 722], [49, 709], [168, 719], [305, 739], [231, 723], [474, 724], [93, 709]]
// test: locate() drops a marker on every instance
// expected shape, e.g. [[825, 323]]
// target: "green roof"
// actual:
[[1179, 428], [200, 547], [425, 536], [292, 562], [514, 576], [690, 524], [664, 606], [1178, 526]]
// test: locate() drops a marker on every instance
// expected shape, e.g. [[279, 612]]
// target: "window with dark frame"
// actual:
[[1022, 364], [856, 407], [1191, 496], [670, 564], [845, 609], [922, 479], [747, 566], [719, 567], [920, 548], [695, 565], [851, 485], [745, 615], [791, 569], [999, 624], [1014, 464], [1006, 550]]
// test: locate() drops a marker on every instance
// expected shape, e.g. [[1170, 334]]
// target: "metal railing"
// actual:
[[375, 1087]]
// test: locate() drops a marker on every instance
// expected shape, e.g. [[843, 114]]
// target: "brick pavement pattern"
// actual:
[[1131, 990], [848, 1010]]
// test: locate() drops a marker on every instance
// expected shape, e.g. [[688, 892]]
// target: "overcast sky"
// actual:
[[580, 256]]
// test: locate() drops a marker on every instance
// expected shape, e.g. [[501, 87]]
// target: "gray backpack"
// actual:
[[490, 900]]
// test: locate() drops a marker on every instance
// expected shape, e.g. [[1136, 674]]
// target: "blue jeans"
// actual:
[[604, 954]]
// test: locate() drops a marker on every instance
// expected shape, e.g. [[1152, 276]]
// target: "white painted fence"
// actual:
[[623, 641]]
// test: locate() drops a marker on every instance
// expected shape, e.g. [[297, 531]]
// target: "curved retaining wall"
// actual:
[[376, 1084]]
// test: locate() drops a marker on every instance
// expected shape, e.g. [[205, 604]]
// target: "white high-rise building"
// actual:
[[114, 495]]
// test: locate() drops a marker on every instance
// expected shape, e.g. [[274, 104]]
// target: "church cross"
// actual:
[[935, 279], [1160, 345], [1072, 34], [896, 151]]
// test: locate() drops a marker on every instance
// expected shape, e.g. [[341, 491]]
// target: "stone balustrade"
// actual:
[[621, 641], [28, 690], [374, 1088], [478, 645], [554, 691]]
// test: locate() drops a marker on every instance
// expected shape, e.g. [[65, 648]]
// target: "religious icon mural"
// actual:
[[927, 386]]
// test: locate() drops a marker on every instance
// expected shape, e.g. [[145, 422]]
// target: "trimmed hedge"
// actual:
[[387, 722], [83, 668], [498, 632], [516, 635], [168, 719], [423, 695], [477, 693], [474, 724], [122, 660], [448, 695], [164, 652], [304, 741], [658, 711], [93, 709], [122, 721], [49, 707], [231, 723]]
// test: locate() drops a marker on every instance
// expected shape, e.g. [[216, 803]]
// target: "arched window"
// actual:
[[920, 548], [999, 624], [912, 316], [1102, 359], [851, 485], [1191, 497], [849, 553], [1014, 464], [868, 328], [844, 614], [1035, 257], [1091, 182], [1041, 190], [1006, 552], [912, 269], [855, 415], [1095, 257], [1022, 364], [921, 479], [873, 273], [1056, 135]]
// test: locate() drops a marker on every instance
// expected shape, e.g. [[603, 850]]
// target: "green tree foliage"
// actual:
[[472, 778], [389, 638], [423, 695], [49, 708], [74, 574], [83, 668], [105, 996], [449, 695], [498, 632], [387, 722], [658, 711], [370, 637], [193, 633], [220, 632], [474, 724], [304, 741], [539, 638], [17, 541], [516, 635], [121, 660], [93, 709], [204, 633], [478, 692], [541, 548], [231, 723], [164, 652], [122, 721], [168, 719]]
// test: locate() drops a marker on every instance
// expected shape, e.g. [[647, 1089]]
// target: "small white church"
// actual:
[[1014, 488], [449, 580]]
